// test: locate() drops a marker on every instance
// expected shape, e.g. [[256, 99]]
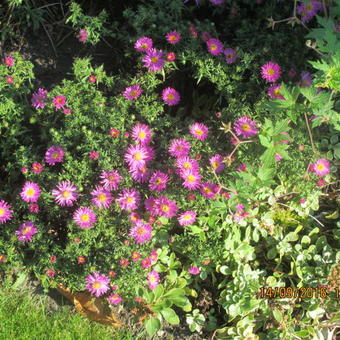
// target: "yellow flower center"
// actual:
[[138, 156], [85, 218], [30, 192], [133, 93], [144, 45], [270, 71], [187, 217], [173, 38], [111, 178], [129, 199], [320, 167], [66, 194], [213, 47], [245, 127], [277, 92], [207, 190], [2, 212], [165, 208], [154, 60], [101, 197], [187, 165], [171, 96], [140, 231], [199, 132], [142, 135], [97, 285], [159, 181], [26, 230], [152, 279], [215, 164], [191, 178], [55, 155]]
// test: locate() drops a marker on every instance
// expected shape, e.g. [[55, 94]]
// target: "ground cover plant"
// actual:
[[196, 182]]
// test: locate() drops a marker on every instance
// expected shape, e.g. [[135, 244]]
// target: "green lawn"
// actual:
[[23, 317]]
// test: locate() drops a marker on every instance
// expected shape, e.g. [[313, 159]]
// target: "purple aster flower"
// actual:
[[321, 167], [179, 147], [173, 37], [97, 284], [158, 181], [274, 92], [170, 96], [101, 197], [153, 60], [217, 2], [26, 231], [141, 175], [9, 61], [199, 131], [5, 212], [187, 163], [141, 232], [153, 279], [136, 156], [230, 55], [59, 102], [192, 179], [194, 270], [83, 35], [271, 72], [39, 99], [84, 217], [30, 192], [65, 194], [143, 44], [129, 199], [245, 127], [217, 163], [306, 79], [215, 46], [115, 299], [142, 134], [166, 207], [110, 179], [208, 189], [54, 154], [308, 10], [151, 206], [132, 92], [187, 218]]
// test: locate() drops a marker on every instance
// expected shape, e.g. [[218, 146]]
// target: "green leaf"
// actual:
[[152, 325], [158, 291], [174, 293], [277, 315], [170, 316]]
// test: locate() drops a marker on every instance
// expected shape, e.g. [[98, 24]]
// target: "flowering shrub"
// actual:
[[151, 195]]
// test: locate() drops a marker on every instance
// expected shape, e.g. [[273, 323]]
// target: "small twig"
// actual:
[[310, 133], [324, 8]]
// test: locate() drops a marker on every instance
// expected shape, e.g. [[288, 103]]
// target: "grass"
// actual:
[[25, 317]]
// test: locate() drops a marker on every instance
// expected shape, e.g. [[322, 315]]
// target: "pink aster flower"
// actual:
[[65, 193], [101, 197], [141, 175], [230, 55], [129, 199], [153, 60], [110, 179], [114, 133], [245, 127], [143, 44], [271, 72], [136, 256], [141, 232], [84, 217], [193, 31], [278, 157], [37, 168], [216, 162], [9, 80], [9, 61], [208, 189], [171, 56], [192, 180], [132, 92], [215, 46], [134, 217], [170, 96], [81, 259], [93, 155], [30, 192], [26, 231], [146, 263], [194, 270], [179, 147], [114, 299], [67, 111], [136, 156], [166, 207], [2, 258], [186, 163], [187, 218], [158, 181], [242, 167], [54, 154], [153, 279], [124, 263], [50, 272], [59, 102], [142, 134], [150, 153], [217, 2], [153, 256], [39, 99], [173, 37], [5, 212], [274, 92], [97, 284], [205, 36], [34, 208], [199, 131], [83, 35], [321, 167], [92, 78]]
